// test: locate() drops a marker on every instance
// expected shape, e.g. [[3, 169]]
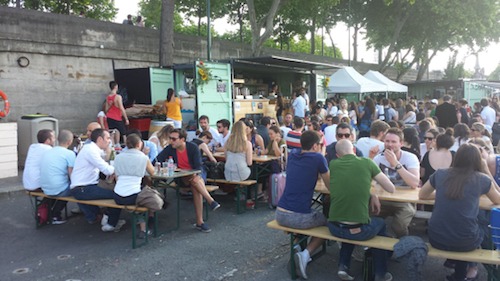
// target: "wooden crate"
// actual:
[[8, 150]]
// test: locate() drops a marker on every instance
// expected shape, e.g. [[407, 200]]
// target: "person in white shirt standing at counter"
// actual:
[[85, 177]]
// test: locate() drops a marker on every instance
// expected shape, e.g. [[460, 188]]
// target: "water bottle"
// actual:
[[170, 167], [258, 151]]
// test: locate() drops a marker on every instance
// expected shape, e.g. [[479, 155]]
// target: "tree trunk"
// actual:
[[395, 35], [240, 22], [266, 22], [167, 33], [199, 20], [312, 29], [333, 45], [355, 43], [425, 65]]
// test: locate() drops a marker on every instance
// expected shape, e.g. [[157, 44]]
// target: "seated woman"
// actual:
[[454, 223], [274, 147], [161, 137], [204, 138], [478, 130], [255, 139], [439, 158], [130, 167], [238, 154]]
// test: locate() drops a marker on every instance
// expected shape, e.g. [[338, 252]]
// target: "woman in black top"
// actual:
[[439, 158]]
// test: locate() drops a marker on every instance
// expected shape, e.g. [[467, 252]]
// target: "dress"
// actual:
[[236, 168]]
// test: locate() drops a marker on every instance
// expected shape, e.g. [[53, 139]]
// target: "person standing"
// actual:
[[446, 113], [280, 106], [32, 166], [488, 114], [85, 179], [188, 157], [115, 112], [263, 129], [299, 106], [57, 165], [349, 215], [139, 22], [128, 20], [173, 106]]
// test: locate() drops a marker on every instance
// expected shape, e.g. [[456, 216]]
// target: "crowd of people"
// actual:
[[447, 150]]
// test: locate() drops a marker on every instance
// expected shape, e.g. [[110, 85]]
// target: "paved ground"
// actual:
[[239, 247]]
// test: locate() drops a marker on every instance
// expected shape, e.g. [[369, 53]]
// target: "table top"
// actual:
[[405, 194], [255, 158], [177, 174]]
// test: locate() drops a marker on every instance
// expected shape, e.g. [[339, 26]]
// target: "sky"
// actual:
[[488, 59]]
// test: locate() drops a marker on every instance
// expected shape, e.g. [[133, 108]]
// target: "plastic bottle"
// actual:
[[170, 166], [258, 151]]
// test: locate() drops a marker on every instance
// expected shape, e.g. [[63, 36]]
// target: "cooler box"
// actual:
[[27, 129], [142, 124]]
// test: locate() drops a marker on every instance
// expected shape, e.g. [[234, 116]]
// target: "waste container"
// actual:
[[27, 129]]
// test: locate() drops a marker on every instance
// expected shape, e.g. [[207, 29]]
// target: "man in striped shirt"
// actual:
[[293, 137]]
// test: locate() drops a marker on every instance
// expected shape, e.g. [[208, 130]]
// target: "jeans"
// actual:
[[368, 231], [59, 205], [94, 192]]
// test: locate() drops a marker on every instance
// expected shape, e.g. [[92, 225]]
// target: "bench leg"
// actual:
[[493, 272], [239, 209], [135, 220], [205, 210]]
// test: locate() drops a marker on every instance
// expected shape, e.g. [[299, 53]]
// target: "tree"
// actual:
[[167, 33], [454, 70], [95, 9], [198, 9], [261, 17], [151, 12], [495, 75]]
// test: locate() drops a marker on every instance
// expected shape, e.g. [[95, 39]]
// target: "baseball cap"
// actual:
[[434, 101]]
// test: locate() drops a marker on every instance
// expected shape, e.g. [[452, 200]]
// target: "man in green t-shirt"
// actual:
[[349, 217]]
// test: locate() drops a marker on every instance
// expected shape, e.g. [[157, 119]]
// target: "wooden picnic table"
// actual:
[[405, 194]]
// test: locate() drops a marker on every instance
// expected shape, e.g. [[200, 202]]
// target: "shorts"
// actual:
[[115, 124], [300, 220]]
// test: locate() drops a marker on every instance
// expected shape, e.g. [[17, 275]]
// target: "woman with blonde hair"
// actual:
[[478, 130], [161, 137], [238, 151]]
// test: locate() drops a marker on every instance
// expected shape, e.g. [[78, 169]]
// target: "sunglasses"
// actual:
[[428, 138], [343, 135], [173, 139]]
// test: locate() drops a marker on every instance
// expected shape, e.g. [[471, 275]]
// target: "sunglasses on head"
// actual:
[[343, 135]]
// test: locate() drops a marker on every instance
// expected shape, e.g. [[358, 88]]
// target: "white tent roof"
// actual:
[[392, 86], [348, 80]]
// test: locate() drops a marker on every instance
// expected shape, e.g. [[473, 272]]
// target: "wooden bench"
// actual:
[[484, 256], [237, 185], [136, 211]]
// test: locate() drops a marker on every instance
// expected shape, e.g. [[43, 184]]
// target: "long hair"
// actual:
[[163, 135], [467, 161], [170, 94], [370, 104], [237, 140], [480, 128], [410, 136], [461, 132]]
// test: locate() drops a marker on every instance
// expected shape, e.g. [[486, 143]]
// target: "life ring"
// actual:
[[6, 106]]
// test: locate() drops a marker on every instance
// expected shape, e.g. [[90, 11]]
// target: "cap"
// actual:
[[434, 101]]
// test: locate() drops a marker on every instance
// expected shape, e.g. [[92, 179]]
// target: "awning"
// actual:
[[287, 63], [392, 86]]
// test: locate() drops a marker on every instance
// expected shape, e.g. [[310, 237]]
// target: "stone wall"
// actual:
[[72, 58]]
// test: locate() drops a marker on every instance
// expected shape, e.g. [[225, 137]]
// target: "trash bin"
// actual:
[[27, 129]]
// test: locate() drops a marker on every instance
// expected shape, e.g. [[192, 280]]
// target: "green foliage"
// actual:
[[95, 9], [495, 75], [454, 70], [150, 10]]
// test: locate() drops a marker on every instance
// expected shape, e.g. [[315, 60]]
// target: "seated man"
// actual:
[[188, 157], [349, 217], [293, 137], [403, 168], [31, 175], [343, 131], [57, 164], [85, 177], [294, 208]]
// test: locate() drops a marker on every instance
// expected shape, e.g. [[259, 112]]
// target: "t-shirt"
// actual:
[[350, 183], [366, 143], [54, 177], [331, 134], [31, 174], [183, 160], [301, 177], [331, 152], [174, 109], [454, 222], [293, 140], [407, 160], [299, 106], [488, 115]]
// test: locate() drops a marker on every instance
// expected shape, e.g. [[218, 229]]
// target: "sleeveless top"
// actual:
[[113, 112], [236, 168], [174, 109], [497, 173]]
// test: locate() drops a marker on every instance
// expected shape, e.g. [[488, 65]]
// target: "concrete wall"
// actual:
[[71, 61]]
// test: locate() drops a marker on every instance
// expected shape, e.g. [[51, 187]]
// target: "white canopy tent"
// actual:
[[392, 86], [348, 80]]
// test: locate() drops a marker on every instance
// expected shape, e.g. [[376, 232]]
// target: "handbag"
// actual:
[[215, 170], [150, 198]]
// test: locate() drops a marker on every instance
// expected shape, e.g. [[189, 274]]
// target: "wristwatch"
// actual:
[[398, 166]]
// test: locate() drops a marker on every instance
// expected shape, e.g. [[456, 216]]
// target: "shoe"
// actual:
[[297, 248], [343, 273], [119, 225], [358, 254], [214, 205], [104, 220], [142, 234], [202, 227], [56, 220], [301, 263], [387, 277], [108, 228], [76, 211]]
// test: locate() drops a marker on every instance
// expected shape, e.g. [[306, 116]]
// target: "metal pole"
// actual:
[[349, 34], [209, 35]]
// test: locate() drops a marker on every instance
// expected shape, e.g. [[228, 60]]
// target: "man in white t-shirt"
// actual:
[[299, 106], [331, 131], [377, 133], [488, 114], [402, 168], [223, 130], [304, 94], [31, 175], [205, 127]]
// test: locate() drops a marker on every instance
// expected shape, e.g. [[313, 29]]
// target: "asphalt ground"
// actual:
[[240, 247]]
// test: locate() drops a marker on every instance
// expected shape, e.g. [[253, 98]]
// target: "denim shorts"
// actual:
[[300, 220]]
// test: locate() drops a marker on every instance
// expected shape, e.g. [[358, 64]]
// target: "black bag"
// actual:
[[215, 170]]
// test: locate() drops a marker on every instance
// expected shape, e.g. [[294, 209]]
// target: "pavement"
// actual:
[[240, 247]]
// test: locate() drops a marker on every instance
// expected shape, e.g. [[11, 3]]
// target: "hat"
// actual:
[[434, 101]]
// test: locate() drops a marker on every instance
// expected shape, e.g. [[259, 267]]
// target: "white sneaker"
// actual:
[[104, 220], [343, 273], [108, 228], [301, 263]]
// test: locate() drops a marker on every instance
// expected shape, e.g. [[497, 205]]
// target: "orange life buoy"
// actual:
[[6, 106]]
